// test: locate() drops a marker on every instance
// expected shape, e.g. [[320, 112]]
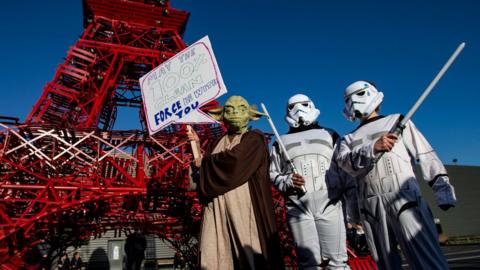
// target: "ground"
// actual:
[[461, 256]]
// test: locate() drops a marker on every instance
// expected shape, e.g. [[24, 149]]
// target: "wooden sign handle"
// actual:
[[194, 145]]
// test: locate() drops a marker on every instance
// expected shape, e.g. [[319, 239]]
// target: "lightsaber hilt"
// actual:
[[280, 143]]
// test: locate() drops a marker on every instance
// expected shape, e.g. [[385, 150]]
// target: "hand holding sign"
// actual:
[[173, 91]]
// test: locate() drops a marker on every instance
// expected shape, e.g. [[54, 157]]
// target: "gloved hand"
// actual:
[[298, 184], [385, 143], [298, 180]]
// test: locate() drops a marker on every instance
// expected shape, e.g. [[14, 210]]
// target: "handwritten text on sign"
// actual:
[[174, 90]]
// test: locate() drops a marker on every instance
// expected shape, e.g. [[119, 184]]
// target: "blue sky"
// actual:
[[269, 50]]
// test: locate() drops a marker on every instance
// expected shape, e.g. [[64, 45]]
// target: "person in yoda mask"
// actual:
[[238, 229]]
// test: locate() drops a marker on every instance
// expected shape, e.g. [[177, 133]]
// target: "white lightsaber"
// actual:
[[432, 85], [280, 143], [397, 129]]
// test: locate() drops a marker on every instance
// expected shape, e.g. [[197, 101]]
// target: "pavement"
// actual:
[[460, 257]]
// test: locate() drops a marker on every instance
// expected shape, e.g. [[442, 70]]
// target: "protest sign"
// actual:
[[173, 91]]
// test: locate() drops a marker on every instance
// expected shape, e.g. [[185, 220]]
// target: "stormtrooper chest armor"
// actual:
[[393, 169], [311, 152]]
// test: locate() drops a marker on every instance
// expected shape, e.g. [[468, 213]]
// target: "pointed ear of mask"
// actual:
[[254, 114], [216, 113]]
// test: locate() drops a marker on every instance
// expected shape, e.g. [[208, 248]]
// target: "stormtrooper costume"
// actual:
[[316, 217], [391, 206]]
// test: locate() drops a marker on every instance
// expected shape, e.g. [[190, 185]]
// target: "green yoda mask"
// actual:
[[235, 114]]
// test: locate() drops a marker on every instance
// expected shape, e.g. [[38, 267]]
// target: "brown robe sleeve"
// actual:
[[222, 172], [247, 161]]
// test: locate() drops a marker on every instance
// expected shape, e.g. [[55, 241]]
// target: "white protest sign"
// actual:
[[173, 91]]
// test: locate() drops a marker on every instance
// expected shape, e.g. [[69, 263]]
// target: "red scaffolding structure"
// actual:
[[66, 174]]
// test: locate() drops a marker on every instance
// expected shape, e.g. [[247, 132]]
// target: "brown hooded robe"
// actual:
[[248, 161]]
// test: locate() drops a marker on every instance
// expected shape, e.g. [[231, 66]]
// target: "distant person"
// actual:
[[351, 235], [63, 262], [135, 246], [98, 260], [356, 239], [392, 208], [178, 261], [76, 262]]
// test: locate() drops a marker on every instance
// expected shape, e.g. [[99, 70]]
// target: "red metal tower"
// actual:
[[65, 174]]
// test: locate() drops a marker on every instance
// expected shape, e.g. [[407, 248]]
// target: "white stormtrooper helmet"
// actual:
[[301, 110], [361, 99]]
